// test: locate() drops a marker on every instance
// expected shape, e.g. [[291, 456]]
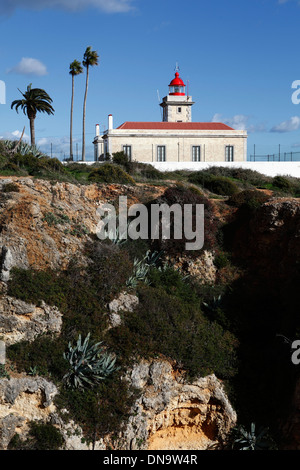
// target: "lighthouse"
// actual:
[[173, 139], [177, 106]]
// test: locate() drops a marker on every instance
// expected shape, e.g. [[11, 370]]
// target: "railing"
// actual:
[[277, 157]]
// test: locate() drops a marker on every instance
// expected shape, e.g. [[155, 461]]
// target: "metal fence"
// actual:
[[276, 157]]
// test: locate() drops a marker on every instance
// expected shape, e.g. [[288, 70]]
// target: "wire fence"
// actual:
[[276, 157]]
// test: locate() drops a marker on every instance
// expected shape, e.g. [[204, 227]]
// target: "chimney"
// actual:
[[110, 122], [97, 130]]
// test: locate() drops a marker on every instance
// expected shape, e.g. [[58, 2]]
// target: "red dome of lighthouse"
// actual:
[[177, 87]]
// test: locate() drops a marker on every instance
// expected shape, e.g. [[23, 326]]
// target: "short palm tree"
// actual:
[[34, 100], [75, 69], [90, 58]]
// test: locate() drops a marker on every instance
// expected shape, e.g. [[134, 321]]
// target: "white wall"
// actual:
[[266, 168]]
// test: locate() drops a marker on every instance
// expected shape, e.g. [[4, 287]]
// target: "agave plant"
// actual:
[[214, 304], [142, 267], [23, 148], [116, 237], [153, 259], [89, 364], [251, 441], [140, 272]]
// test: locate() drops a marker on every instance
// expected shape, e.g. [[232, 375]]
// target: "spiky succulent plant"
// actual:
[[89, 364], [23, 148], [142, 267], [252, 440]]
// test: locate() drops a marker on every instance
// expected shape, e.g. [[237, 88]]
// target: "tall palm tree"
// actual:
[[75, 69], [34, 100], [90, 58]]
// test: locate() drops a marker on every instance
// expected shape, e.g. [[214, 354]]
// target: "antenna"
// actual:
[[177, 67], [159, 105]]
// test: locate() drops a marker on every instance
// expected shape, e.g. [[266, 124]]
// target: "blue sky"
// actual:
[[239, 57]]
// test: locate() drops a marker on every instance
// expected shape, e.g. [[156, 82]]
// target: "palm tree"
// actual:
[[34, 100], [75, 69], [90, 58]]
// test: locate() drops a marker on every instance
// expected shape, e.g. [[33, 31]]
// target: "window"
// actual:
[[161, 153], [196, 153], [127, 151], [229, 153], [178, 110]]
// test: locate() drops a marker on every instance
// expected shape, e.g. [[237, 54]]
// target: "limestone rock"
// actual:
[[6, 263], [171, 414], [202, 268], [23, 400], [125, 302], [20, 321]]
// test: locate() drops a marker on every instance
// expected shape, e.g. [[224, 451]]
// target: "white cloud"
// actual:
[[108, 6], [15, 135], [239, 122], [29, 66], [292, 124]]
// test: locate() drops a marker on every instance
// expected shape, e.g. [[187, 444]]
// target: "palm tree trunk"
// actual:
[[84, 108], [32, 130], [71, 121]]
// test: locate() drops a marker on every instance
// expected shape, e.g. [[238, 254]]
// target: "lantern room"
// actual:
[[177, 87]]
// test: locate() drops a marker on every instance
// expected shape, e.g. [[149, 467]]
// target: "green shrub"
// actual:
[[282, 183], [35, 166], [110, 173], [55, 219], [109, 269], [221, 260], [173, 283], [252, 199], [99, 410], [44, 356], [216, 184], [146, 171], [245, 176], [120, 158], [41, 436], [10, 168], [3, 372], [182, 195], [164, 324]]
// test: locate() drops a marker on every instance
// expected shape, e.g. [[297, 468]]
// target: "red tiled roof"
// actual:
[[188, 126]]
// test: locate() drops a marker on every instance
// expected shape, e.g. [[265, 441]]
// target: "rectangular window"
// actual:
[[196, 153], [161, 153], [229, 153], [178, 110], [127, 151]]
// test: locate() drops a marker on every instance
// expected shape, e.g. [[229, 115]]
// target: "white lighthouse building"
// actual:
[[174, 139]]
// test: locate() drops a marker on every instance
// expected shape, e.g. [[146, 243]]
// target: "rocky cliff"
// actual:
[[45, 225]]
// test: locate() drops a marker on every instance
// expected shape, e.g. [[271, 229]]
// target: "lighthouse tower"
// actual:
[[177, 106]]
